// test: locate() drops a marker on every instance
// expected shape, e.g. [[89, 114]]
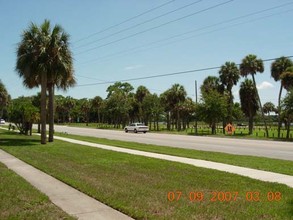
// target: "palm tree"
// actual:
[[210, 83], [287, 78], [176, 97], [60, 69], [96, 104], [251, 65], [277, 68], [248, 100], [44, 58], [268, 107], [30, 65], [229, 76]]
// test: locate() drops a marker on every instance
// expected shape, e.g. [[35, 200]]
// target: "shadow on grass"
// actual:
[[17, 140]]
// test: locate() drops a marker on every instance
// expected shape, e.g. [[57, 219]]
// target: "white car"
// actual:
[[2, 121], [136, 127]]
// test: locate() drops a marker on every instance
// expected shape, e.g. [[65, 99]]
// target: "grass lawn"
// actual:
[[20, 200], [261, 163], [139, 186]]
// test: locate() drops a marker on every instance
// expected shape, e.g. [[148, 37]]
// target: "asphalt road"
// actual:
[[263, 148]]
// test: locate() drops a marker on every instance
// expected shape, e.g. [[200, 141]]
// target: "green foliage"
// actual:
[[23, 114], [279, 66], [287, 78], [212, 109], [4, 98]]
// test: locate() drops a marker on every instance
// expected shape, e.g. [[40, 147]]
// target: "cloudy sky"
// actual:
[[116, 40]]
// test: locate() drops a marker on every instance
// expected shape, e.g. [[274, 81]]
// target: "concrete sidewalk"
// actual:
[[64, 196], [248, 172]]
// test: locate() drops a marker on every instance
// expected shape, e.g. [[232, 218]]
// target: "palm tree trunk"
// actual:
[[288, 128], [43, 107], [250, 125], [261, 108], [51, 113], [230, 107], [279, 112]]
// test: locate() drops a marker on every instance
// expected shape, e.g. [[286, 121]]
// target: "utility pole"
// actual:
[[195, 129]]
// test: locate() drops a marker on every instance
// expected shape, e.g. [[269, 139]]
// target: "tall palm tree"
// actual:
[[30, 64], [251, 65], [60, 69], [248, 100], [277, 68], [229, 76], [44, 58]]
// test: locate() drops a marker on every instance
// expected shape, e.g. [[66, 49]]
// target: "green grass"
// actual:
[[261, 163], [138, 186], [20, 200]]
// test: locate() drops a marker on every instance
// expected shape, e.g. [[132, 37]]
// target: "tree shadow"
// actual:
[[20, 141]]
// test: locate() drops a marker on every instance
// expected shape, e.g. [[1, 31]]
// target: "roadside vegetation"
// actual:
[[20, 200], [140, 186]]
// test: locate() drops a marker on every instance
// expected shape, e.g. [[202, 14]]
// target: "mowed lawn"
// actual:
[[19, 200], [139, 186], [260, 163]]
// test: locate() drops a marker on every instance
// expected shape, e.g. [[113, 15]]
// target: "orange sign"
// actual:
[[229, 128]]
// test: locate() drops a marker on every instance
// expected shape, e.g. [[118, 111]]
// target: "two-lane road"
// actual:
[[271, 149]]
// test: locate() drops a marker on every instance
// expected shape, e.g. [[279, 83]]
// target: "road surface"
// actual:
[[263, 148]]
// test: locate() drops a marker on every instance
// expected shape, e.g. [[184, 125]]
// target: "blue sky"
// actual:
[[217, 31]]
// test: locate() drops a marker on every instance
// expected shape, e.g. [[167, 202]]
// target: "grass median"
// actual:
[[147, 188], [19, 200], [260, 163]]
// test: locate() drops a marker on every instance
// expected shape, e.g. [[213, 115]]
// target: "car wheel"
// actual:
[[144, 132], [135, 131], [126, 130]]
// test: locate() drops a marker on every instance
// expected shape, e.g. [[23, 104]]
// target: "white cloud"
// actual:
[[133, 67], [265, 85]]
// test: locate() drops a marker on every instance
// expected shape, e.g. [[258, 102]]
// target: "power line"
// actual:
[[168, 74], [161, 25], [139, 24], [202, 28], [125, 21]]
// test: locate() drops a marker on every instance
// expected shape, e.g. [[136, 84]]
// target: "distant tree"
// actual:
[[287, 105], [248, 100], [23, 114], [176, 96], [251, 65], [212, 108], [4, 97], [141, 93], [118, 103], [277, 68], [237, 112], [210, 83], [96, 104], [269, 107], [229, 76], [287, 78], [85, 107]]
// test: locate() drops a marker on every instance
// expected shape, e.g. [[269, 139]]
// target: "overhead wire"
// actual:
[[202, 28], [139, 24], [125, 21], [167, 74], [155, 27]]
